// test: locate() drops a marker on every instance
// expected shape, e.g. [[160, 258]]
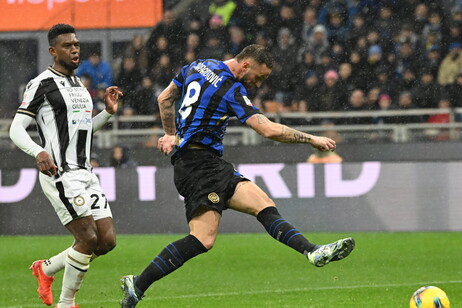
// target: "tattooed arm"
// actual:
[[282, 133], [166, 102]]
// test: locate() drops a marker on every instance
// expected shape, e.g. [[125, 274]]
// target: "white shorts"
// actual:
[[77, 193]]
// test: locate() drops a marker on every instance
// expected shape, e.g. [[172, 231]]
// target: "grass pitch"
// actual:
[[251, 270]]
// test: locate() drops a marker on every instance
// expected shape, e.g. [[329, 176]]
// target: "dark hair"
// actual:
[[57, 30], [259, 53]]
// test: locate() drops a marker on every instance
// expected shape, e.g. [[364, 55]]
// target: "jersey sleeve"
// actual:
[[240, 105], [33, 98]]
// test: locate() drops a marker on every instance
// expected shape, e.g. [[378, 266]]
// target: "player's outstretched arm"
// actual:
[[282, 133], [166, 102], [111, 100]]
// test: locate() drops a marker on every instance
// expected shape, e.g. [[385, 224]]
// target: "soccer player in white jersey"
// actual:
[[61, 107]]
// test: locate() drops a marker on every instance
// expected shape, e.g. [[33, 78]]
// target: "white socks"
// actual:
[[76, 265], [56, 263]]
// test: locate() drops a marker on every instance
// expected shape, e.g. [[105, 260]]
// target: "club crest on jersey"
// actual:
[[247, 100], [213, 197], [79, 200]]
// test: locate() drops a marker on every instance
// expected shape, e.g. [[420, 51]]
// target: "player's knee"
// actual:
[[208, 242], [107, 245]]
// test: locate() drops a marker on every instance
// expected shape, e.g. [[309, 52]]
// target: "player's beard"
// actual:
[[69, 66]]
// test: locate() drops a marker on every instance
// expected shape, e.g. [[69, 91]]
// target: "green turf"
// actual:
[[251, 270]]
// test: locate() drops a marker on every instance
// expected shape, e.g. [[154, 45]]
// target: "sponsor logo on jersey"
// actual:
[[214, 198]]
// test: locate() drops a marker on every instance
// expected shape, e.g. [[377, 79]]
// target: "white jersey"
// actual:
[[62, 108]]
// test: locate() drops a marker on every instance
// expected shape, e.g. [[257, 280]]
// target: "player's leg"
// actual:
[[249, 198], [106, 237], [203, 232], [78, 258], [102, 215]]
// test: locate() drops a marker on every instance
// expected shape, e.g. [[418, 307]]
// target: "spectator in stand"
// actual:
[[137, 50], [99, 71], [282, 77], [171, 29], [319, 157], [358, 29], [356, 102], [214, 48], [317, 43], [161, 47], [420, 18], [431, 40], [337, 29], [383, 80], [338, 54], [308, 24], [407, 34], [374, 59], [434, 25], [194, 25], [237, 41], [406, 59], [454, 34], [263, 29], [387, 24], [163, 72], [372, 98], [451, 65], [146, 102], [384, 104], [408, 81], [426, 92], [432, 60], [288, 19], [331, 98], [223, 8], [454, 91], [325, 64], [216, 29], [306, 64], [245, 15], [307, 94], [120, 157], [345, 77], [405, 102], [440, 134], [128, 80], [360, 74], [193, 43]]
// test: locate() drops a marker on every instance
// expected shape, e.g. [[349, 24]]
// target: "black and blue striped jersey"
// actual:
[[210, 96]]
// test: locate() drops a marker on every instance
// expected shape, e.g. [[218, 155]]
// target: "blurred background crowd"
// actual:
[[331, 55]]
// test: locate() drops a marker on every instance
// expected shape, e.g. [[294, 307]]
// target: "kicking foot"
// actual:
[[44, 282], [129, 299], [331, 252]]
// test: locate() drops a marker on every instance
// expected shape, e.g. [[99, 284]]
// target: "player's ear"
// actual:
[[52, 51]]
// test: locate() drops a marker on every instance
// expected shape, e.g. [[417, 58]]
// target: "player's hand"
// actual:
[[111, 99], [45, 164], [323, 144], [166, 143]]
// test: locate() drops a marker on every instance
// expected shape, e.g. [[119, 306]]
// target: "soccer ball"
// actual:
[[429, 297]]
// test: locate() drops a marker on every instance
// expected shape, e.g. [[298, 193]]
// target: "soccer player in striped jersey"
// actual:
[[62, 108], [210, 92]]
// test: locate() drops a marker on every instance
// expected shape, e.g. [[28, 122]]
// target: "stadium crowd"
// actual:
[[333, 55]]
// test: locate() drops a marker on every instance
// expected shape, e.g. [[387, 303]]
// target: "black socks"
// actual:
[[170, 258], [283, 231]]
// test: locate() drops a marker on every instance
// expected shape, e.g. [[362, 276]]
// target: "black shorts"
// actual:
[[204, 180]]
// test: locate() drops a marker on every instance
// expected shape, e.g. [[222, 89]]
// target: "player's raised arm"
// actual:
[[166, 102], [282, 133]]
